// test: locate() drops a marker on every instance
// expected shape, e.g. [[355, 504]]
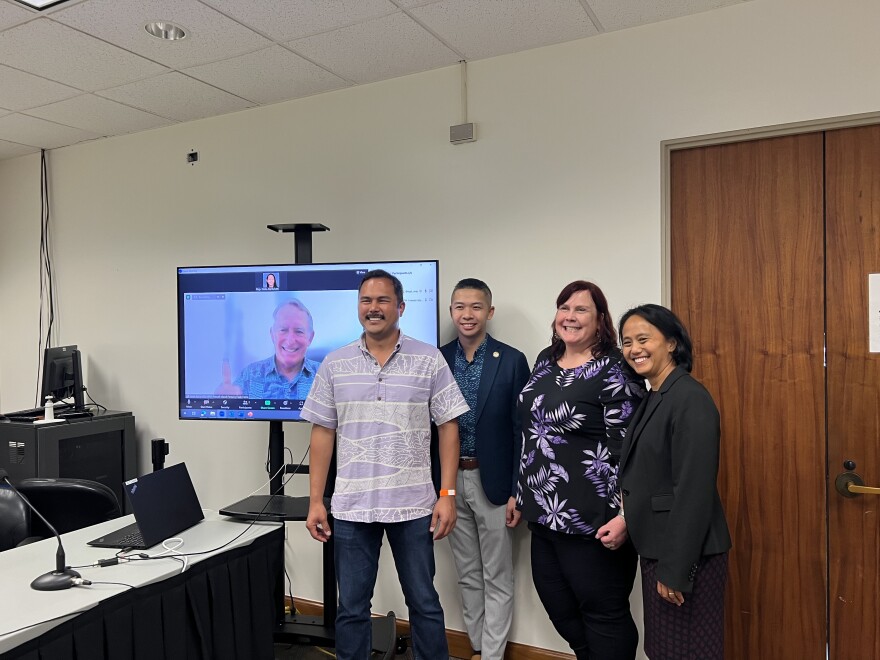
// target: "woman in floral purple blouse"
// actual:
[[574, 411]]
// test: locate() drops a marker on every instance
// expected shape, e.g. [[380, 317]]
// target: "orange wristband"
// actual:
[[446, 492]]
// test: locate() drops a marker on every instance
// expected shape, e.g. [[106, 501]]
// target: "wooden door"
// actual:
[[772, 242], [853, 250], [747, 280]]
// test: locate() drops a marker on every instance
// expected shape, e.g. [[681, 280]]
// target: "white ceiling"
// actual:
[[87, 69]]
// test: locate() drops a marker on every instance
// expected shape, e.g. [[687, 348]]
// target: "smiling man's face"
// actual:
[[292, 335]]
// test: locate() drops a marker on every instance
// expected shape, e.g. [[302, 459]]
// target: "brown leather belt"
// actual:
[[468, 463]]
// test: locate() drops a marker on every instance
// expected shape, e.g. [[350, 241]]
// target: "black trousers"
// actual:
[[585, 589]]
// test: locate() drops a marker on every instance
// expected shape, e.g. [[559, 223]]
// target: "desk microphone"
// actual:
[[61, 577]]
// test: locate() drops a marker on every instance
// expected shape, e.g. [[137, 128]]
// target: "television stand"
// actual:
[[298, 628]]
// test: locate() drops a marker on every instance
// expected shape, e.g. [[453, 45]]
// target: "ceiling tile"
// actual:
[[377, 50], [50, 59], [40, 133], [13, 15], [99, 115], [19, 90], [284, 20], [63, 54], [12, 150], [268, 76], [210, 35], [486, 29], [616, 15], [176, 96]]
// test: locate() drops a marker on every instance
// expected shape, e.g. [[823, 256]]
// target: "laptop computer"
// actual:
[[164, 504], [269, 507]]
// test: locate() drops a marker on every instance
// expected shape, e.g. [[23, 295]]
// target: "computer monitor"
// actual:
[[62, 375]]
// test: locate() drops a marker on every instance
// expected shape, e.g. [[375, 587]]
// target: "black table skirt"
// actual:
[[224, 607]]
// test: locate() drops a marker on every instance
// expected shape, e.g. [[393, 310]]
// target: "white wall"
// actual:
[[563, 183]]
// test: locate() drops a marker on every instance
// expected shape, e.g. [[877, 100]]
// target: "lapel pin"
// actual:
[[496, 354]]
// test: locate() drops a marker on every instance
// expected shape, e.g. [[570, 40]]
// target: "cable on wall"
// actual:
[[47, 288], [464, 92]]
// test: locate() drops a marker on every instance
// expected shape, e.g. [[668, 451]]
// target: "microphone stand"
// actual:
[[62, 577]]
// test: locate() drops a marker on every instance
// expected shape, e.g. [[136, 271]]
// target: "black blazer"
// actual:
[[669, 467], [499, 441]]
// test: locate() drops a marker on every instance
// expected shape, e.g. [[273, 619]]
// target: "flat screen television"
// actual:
[[250, 337]]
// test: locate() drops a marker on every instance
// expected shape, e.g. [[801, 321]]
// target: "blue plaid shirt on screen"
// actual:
[[260, 380]]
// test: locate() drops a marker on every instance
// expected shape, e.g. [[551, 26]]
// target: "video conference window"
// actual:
[[251, 338]]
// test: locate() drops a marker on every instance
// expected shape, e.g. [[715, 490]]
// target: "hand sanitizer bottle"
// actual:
[[49, 408]]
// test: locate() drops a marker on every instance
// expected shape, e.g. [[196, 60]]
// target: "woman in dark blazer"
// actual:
[[669, 467]]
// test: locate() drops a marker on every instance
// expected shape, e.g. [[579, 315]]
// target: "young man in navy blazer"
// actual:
[[490, 375]]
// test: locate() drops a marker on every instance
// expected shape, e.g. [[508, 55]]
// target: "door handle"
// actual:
[[850, 484]]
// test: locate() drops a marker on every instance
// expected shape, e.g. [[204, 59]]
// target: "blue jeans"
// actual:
[[356, 550]]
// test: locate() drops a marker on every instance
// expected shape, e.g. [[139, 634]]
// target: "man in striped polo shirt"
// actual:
[[375, 399]]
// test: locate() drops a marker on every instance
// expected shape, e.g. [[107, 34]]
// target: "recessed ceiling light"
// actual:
[[165, 30], [40, 5]]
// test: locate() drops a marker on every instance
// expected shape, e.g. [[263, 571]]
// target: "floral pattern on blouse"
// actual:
[[573, 422]]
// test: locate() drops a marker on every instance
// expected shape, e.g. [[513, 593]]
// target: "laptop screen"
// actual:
[[164, 503]]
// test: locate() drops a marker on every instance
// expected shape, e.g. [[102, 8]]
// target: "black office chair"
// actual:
[[69, 504], [15, 519]]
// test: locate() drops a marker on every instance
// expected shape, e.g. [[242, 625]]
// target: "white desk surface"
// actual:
[[39, 611]]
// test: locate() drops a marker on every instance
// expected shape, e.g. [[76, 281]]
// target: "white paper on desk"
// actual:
[[874, 312]]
